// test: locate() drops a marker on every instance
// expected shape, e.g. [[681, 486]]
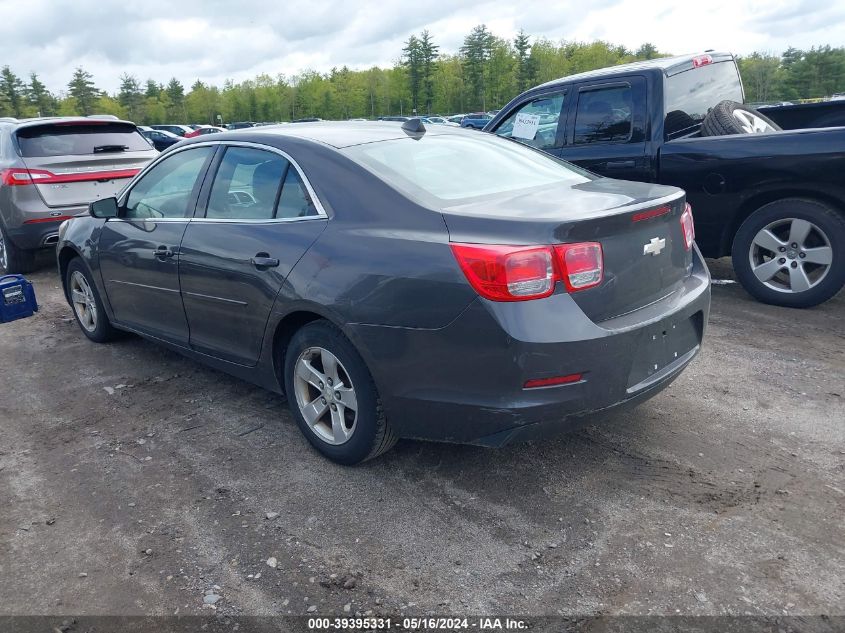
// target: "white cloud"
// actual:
[[217, 39]]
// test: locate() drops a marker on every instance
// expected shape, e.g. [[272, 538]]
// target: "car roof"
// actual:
[[668, 65], [340, 134]]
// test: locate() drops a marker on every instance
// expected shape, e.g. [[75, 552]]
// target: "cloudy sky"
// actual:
[[217, 39]]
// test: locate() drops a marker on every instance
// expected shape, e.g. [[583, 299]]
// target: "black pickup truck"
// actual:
[[773, 199]]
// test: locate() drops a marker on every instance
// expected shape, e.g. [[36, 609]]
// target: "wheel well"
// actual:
[[65, 256], [752, 204], [285, 330]]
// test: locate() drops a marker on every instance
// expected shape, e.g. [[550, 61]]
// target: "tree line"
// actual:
[[485, 73]]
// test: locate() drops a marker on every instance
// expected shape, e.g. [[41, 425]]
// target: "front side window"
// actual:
[[535, 122], [166, 190], [604, 115], [247, 185]]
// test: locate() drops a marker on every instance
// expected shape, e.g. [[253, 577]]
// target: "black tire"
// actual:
[[720, 121], [677, 121], [103, 331], [372, 434], [825, 218], [17, 260]]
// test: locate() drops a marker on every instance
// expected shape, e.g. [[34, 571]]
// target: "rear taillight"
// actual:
[[14, 177], [507, 273], [520, 273], [581, 265], [688, 226]]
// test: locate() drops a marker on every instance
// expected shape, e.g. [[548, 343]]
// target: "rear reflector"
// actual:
[[688, 226], [13, 177], [651, 213], [701, 60], [552, 382], [58, 218], [519, 273]]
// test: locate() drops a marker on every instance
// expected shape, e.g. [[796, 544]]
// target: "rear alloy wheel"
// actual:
[[332, 396], [86, 304], [14, 260], [789, 253], [730, 117]]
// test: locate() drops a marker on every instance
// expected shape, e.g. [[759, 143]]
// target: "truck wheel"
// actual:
[[730, 117], [791, 253], [333, 397], [14, 260]]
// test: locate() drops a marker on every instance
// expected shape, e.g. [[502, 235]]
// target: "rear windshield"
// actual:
[[452, 167], [690, 94], [80, 139]]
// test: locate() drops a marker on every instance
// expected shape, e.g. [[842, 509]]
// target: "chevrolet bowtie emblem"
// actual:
[[654, 246]]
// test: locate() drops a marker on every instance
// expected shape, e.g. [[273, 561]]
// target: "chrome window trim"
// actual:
[[321, 211]]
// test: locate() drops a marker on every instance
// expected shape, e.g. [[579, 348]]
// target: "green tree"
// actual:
[[40, 100], [175, 92], [413, 63], [647, 51], [428, 57], [81, 88], [526, 72], [13, 90], [761, 77], [476, 51], [130, 97]]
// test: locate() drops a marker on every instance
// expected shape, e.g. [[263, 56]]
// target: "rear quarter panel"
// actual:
[[728, 177]]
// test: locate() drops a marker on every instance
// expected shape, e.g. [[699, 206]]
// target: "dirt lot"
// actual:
[[133, 480]]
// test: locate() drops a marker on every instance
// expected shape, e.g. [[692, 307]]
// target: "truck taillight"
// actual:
[[521, 273], [688, 226]]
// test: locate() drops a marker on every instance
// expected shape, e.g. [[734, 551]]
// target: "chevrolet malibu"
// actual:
[[395, 281]]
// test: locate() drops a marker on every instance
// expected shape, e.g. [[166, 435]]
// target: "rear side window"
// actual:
[[604, 115], [81, 139], [535, 122], [246, 185], [295, 201], [690, 94]]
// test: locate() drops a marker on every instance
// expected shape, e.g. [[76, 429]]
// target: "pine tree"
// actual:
[[412, 60], [83, 91], [526, 71], [131, 97], [428, 57], [476, 52], [13, 90], [39, 98]]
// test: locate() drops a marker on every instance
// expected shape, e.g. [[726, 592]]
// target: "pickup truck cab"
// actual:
[[774, 200]]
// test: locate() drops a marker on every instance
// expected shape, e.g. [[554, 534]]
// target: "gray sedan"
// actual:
[[395, 281]]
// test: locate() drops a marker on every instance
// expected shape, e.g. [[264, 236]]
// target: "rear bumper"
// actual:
[[463, 383], [44, 232]]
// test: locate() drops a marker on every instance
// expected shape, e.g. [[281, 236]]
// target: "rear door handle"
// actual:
[[621, 164], [263, 260], [162, 252]]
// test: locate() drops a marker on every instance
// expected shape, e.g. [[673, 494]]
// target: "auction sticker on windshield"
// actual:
[[525, 126]]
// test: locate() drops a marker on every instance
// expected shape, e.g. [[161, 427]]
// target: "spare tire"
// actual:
[[730, 117]]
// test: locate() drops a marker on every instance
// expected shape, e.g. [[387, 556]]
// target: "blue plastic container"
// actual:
[[17, 298]]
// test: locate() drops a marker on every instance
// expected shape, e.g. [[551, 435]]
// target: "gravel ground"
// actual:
[[134, 481]]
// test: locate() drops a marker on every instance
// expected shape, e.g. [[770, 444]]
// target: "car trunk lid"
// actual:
[[637, 224]]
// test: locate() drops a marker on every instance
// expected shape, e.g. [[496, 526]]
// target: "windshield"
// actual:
[[444, 168], [62, 139], [691, 94]]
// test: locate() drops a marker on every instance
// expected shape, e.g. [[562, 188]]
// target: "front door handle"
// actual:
[[263, 260], [621, 164], [162, 252]]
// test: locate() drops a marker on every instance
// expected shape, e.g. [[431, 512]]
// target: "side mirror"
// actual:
[[105, 208]]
